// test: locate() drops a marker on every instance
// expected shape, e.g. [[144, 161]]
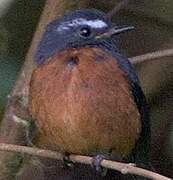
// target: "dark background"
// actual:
[[154, 31]]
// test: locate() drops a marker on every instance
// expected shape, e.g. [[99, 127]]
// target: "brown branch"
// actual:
[[118, 7], [121, 167], [150, 56]]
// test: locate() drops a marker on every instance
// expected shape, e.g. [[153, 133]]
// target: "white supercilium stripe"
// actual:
[[97, 23]]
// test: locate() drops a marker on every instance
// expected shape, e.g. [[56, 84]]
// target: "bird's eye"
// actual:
[[85, 32]]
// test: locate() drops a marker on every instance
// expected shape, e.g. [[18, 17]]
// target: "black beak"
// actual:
[[114, 31]]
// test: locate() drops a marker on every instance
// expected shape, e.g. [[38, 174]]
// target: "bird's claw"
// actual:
[[96, 164], [67, 163]]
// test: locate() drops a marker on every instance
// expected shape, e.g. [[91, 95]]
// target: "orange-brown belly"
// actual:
[[87, 108]]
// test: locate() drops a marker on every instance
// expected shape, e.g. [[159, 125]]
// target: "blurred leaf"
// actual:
[[3, 39], [8, 73]]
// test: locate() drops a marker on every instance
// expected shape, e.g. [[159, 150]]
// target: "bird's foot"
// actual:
[[67, 163], [96, 164]]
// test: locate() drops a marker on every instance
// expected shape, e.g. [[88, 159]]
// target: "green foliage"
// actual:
[[8, 73], [3, 39], [15, 162]]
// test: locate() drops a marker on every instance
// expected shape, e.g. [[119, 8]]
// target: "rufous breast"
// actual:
[[82, 103]]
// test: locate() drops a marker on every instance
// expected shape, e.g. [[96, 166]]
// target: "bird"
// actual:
[[85, 96]]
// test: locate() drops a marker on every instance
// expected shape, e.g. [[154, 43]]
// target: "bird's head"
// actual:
[[80, 28]]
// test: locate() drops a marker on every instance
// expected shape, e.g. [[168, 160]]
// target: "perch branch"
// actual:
[[151, 56], [121, 167]]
